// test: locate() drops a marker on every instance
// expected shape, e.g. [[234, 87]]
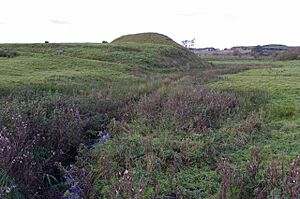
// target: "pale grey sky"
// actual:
[[217, 23]]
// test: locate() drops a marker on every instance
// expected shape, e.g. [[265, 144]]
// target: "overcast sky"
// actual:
[[217, 23]]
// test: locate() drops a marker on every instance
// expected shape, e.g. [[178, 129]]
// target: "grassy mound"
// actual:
[[152, 38], [160, 50]]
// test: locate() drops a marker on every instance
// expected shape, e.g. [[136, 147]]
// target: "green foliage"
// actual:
[[158, 160], [197, 183]]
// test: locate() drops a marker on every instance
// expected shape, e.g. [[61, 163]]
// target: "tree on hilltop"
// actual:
[[188, 43]]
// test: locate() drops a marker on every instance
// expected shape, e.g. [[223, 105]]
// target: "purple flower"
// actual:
[[73, 193], [103, 137]]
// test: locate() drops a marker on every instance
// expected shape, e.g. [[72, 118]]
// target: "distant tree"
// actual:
[[46, 42], [188, 43], [104, 42]]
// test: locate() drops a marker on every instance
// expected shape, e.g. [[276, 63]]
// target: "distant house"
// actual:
[[274, 48], [204, 51], [241, 48], [294, 48], [210, 49]]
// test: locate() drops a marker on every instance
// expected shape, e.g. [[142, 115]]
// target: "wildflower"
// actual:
[[7, 190], [103, 137], [73, 193]]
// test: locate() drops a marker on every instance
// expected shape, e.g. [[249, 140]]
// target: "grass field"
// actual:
[[142, 117], [281, 85]]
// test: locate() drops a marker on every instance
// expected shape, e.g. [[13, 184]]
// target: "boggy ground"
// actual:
[[142, 120], [189, 140]]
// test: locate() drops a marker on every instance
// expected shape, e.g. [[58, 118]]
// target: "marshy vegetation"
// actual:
[[143, 119]]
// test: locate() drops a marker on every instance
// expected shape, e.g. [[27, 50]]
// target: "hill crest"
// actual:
[[150, 37]]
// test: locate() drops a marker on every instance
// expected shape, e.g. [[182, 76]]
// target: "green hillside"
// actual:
[[151, 38], [143, 117], [77, 67]]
